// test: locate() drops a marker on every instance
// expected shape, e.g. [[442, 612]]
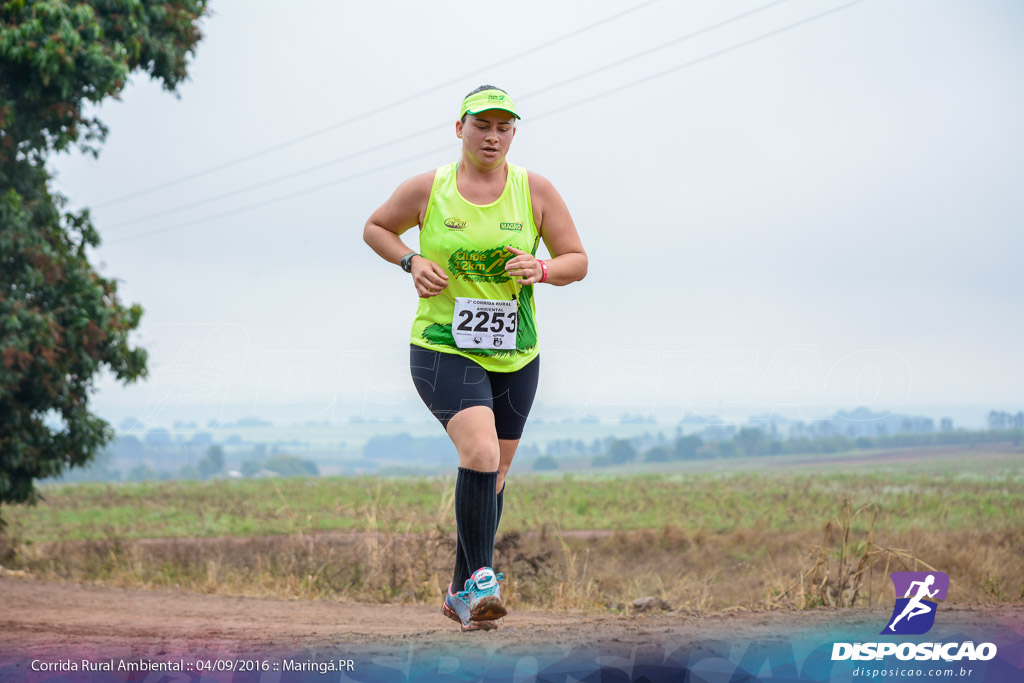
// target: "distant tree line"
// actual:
[[753, 441], [150, 456], [211, 465], [998, 420]]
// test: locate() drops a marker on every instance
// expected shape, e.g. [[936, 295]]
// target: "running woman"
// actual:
[[474, 356]]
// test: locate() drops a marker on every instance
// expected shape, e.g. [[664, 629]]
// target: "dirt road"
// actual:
[[53, 621]]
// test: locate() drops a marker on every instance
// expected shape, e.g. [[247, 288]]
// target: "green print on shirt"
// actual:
[[526, 334], [441, 335], [480, 266]]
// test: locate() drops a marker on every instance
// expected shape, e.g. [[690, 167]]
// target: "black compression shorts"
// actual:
[[448, 383]]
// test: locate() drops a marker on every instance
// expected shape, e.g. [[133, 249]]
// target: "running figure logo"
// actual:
[[914, 613]]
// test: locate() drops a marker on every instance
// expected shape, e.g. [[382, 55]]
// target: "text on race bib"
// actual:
[[484, 323]]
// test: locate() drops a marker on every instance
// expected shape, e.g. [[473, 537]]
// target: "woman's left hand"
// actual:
[[524, 267]]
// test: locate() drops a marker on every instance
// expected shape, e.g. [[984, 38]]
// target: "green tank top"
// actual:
[[493, 315]]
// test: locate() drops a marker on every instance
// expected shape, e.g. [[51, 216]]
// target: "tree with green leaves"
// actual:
[[212, 463], [685, 447], [60, 321], [621, 451], [750, 441]]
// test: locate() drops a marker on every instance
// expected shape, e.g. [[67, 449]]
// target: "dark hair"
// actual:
[[481, 89]]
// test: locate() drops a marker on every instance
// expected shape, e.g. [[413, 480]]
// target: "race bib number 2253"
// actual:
[[484, 323]]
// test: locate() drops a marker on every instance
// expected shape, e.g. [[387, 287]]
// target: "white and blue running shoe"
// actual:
[[484, 595], [456, 607]]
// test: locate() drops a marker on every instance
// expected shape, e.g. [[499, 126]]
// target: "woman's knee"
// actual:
[[472, 432], [479, 455]]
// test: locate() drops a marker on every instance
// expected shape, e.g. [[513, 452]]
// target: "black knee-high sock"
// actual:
[[476, 517], [462, 570], [501, 503]]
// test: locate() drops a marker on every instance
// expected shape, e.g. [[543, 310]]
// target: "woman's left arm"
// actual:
[[568, 262]]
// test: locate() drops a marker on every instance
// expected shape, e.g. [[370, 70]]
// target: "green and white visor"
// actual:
[[488, 99]]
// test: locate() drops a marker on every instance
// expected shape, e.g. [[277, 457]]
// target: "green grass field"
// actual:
[[951, 489], [702, 535]]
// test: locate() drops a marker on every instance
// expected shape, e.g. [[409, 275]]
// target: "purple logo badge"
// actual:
[[914, 612]]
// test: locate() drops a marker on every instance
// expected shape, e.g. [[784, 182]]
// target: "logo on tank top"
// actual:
[[518, 227], [455, 223], [480, 266]]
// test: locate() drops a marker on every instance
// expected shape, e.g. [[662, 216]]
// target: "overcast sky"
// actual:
[[798, 217]]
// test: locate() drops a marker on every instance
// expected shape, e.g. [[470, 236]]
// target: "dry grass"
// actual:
[[751, 568], [840, 571], [742, 541]]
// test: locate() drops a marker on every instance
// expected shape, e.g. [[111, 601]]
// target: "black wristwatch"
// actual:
[[407, 261]]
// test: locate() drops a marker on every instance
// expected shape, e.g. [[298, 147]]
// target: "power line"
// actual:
[[693, 62], [278, 179], [278, 199], [662, 46], [348, 157], [576, 103], [372, 112]]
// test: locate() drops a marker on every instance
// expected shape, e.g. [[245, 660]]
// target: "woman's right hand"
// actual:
[[428, 277]]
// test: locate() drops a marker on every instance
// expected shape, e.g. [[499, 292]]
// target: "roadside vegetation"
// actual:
[[825, 532]]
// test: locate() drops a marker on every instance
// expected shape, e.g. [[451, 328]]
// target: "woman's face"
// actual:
[[487, 136]]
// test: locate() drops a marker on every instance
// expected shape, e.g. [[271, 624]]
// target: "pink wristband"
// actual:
[[544, 269]]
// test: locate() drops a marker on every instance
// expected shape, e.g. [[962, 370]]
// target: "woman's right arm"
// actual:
[[403, 210]]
